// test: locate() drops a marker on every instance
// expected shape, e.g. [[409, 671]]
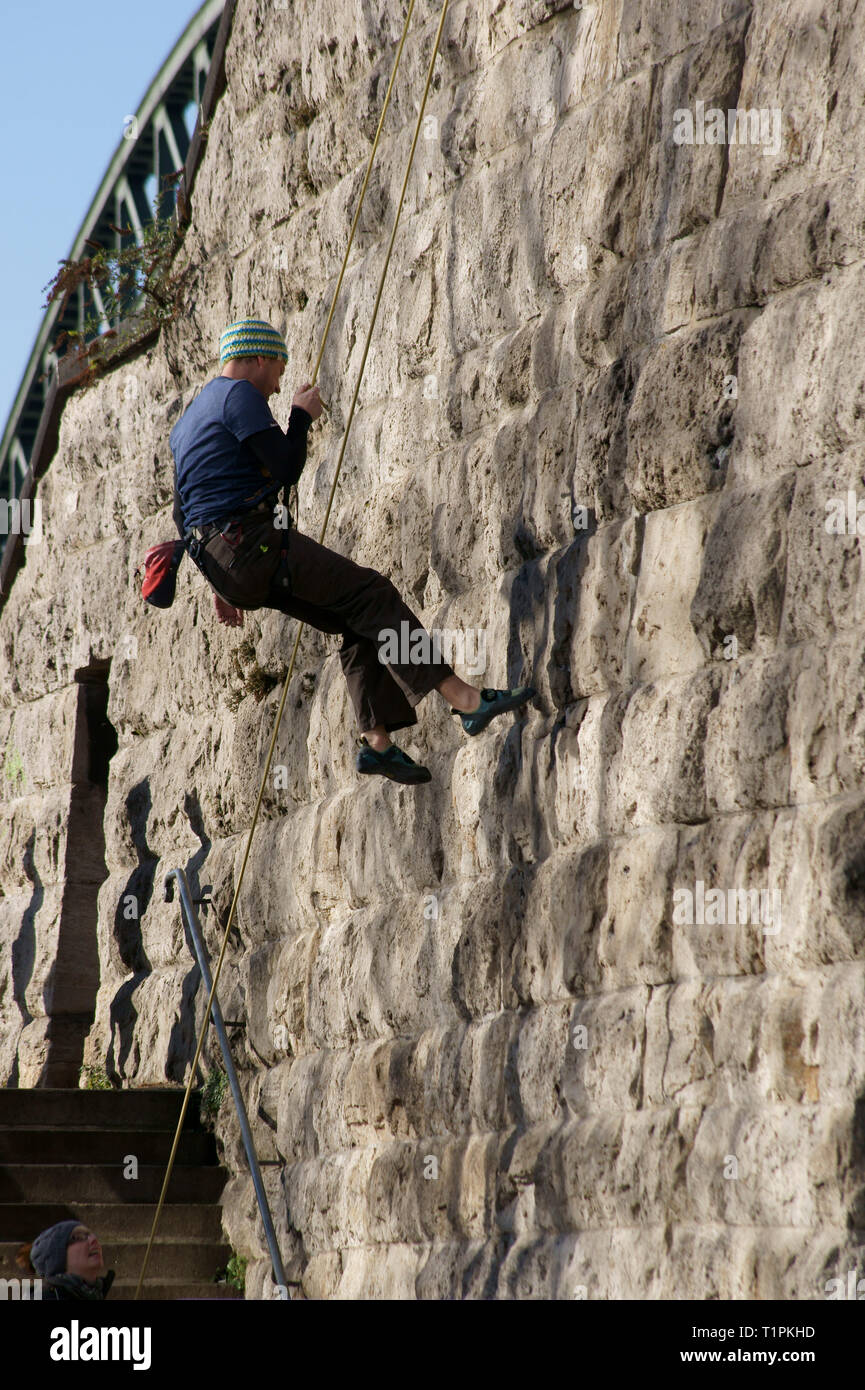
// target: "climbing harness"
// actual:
[[242, 558], [382, 278]]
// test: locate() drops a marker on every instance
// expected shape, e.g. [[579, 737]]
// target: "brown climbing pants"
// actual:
[[334, 594]]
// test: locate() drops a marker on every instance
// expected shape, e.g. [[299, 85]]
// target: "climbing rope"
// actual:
[[382, 278]]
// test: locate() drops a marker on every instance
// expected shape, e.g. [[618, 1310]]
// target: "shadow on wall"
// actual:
[[123, 1054], [24, 945], [183, 1039], [133, 903]]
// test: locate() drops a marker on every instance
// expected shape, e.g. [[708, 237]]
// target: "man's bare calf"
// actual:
[[461, 696]]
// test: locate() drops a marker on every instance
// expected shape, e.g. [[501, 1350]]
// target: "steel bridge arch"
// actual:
[[155, 141]]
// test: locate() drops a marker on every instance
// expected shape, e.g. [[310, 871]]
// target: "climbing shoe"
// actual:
[[494, 702], [392, 763]]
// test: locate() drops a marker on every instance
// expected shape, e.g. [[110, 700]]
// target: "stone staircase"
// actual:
[[62, 1154]]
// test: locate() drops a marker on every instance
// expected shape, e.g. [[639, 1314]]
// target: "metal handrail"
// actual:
[[188, 909]]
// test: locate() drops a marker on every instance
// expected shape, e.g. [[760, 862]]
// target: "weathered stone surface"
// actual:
[[584, 1017]]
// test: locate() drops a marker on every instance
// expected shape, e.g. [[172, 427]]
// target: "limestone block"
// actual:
[[752, 1041], [33, 1043], [778, 1158], [806, 340], [369, 1272], [633, 942], [825, 719], [684, 181], [33, 839], [682, 419], [149, 1033], [650, 32], [369, 1000], [40, 744], [760, 249], [661, 637], [824, 550], [596, 723], [747, 755], [147, 800], [774, 1166], [449, 1270], [31, 921], [582, 938], [536, 1063], [710, 1262], [576, 644], [322, 1274], [663, 772], [586, 191], [519, 92], [662, 288], [10, 1024], [816, 858], [795, 56], [504, 25], [602, 441], [496, 268], [601, 1065], [591, 54], [727, 897], [327, 1196], [737, 607], [17, 960]]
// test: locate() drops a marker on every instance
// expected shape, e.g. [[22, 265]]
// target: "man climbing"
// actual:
[[231, 459]]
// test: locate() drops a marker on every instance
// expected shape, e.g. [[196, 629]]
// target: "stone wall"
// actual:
[[615, 387]]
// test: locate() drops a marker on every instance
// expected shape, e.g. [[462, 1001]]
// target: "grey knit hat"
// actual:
[[48, 1251]]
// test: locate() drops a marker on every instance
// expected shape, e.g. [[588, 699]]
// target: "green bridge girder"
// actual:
[[154, 143]]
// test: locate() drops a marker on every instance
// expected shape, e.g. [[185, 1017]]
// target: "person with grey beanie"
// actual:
[[69, 1259]]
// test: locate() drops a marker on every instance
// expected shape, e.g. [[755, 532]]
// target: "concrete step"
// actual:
[[22, 1221], [99, 1145], [170, 1290], [158, 1108], [187, 1260], [63, 1154], [74, 1183]]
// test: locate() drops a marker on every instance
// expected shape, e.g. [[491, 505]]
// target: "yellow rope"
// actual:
[[217, 971]]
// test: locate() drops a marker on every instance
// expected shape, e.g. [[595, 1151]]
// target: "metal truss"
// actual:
[[154, 143]]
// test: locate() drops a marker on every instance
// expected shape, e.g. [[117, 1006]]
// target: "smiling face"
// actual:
[[84, 1255]]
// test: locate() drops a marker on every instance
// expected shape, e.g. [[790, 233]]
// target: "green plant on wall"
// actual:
[[213, 1092], [235, 1272], [254, 680], [95, 1078], [136, 277], [13, 766]]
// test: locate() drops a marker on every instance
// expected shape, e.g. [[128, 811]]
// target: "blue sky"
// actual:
[[68, 77]]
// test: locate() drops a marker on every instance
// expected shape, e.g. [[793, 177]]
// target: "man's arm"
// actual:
[[282, 456]]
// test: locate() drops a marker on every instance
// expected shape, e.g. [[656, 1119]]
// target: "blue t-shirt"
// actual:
[[216, 476]]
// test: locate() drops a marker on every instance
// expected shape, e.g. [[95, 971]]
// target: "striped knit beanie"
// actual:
[[251, 338]]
